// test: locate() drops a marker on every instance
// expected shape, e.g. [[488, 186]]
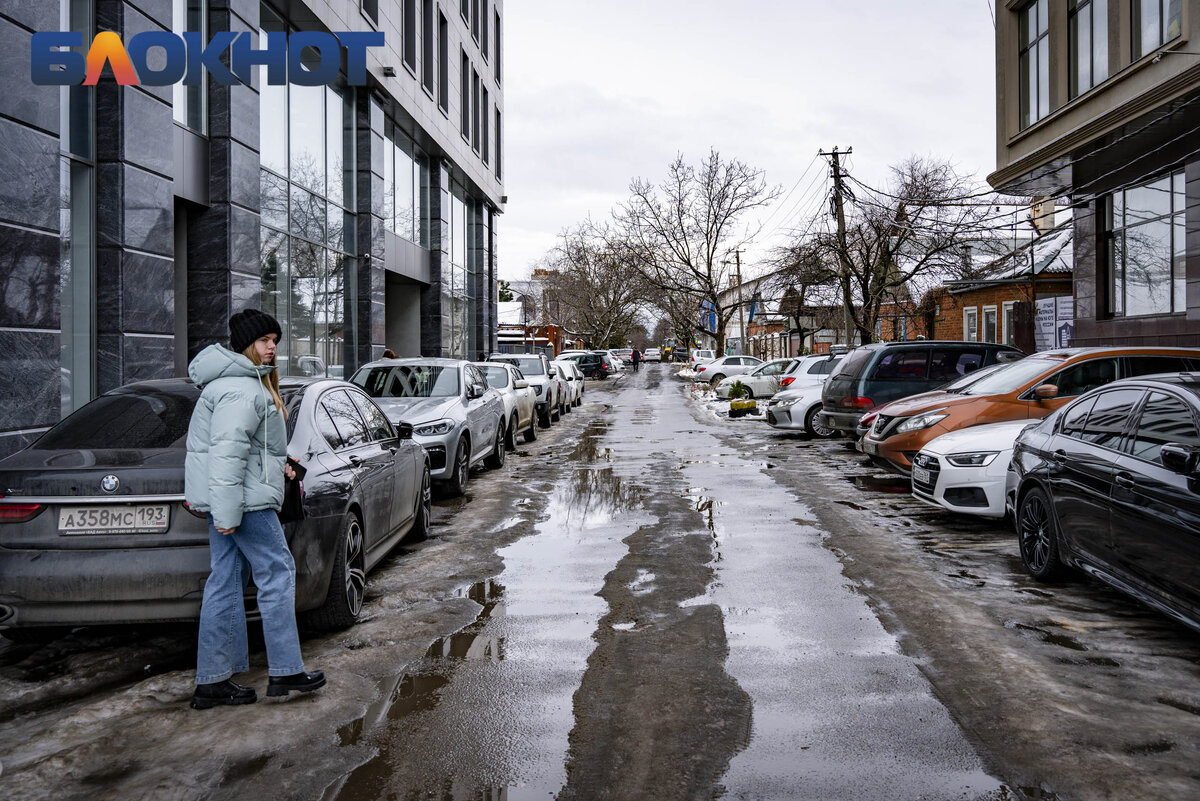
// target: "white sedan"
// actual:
[[966, 470], [762, 382], [718, 369], [798, 407]]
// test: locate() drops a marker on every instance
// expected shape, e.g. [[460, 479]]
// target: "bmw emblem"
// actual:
[[110, 483]]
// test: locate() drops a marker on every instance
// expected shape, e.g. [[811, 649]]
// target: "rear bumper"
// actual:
[[845, 422], [82, 587]]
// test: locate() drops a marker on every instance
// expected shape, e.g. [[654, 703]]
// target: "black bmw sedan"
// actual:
[[94, 528], [1110, 485]]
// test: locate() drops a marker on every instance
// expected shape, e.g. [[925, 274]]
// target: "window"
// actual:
[[903, 365], [989, 324], [443, 63], [483, 44], [1009, 336], [486, 134], [1034, 62], [371, 9], [1165, 419], [947, 365], [971, 324], [1154, 23], [465, 95], [1074, 418], [1107, 421], [1149, 365], [1087, 43], [347, 422], [1146, 248], [409, 50], [475, 19], [427, 55], [498, 151], [475, 124], [498, 40], [189, 102], [1085, 376], [464, 8], [378, 426]]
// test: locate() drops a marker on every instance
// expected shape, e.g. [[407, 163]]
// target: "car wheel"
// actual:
[[568, 406], [1037, 533], [420, 529], [531, 432], [495, 459], [814, 426], [749, 393], [347, 583], [457, 484], [718, 378], [556, 415], [510, 434], [544, 418]]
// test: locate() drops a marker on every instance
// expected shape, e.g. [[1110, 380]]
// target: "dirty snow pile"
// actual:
[[718, 407]]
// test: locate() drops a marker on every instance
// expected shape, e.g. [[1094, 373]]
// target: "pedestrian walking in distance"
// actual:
[[636, 358], [236, 462]]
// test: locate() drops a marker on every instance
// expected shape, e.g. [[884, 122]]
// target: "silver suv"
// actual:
[[543, 377]]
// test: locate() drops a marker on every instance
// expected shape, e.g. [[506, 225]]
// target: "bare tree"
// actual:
[[680, 233], [905, 239], [806, 283]]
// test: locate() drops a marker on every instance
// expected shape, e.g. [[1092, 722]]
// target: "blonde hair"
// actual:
[[270, 380]]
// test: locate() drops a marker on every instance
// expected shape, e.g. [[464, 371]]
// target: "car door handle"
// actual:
[[1059, 456], [1124, 480], [355, 459]]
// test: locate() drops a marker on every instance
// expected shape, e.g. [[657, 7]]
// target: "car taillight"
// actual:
[[858, 402], [701, 369], [195, 512], [785, 381], [19, 512]]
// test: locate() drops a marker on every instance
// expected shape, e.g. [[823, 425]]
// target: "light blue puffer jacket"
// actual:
[[237, 441]]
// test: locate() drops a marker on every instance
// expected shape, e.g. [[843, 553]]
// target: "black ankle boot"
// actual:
[[297, 682], [222, 693]]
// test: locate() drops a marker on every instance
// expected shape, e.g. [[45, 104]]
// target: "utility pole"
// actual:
[[741, 310], [843, 249]]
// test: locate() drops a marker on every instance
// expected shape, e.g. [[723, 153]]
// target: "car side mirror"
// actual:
[[553, 373], [520, 385], [1182, 459], [1045, 391], [404, 431], [474, 392]]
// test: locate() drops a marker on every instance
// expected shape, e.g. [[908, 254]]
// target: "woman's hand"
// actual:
[[289, 471], [226, 531]]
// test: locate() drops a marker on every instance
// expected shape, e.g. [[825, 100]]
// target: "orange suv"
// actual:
[[1028, 389]]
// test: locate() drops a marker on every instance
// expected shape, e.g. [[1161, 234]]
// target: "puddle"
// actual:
[[853, 505], [897, 485], [1061, 640]]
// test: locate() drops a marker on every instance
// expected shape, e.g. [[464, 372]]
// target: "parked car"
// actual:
[[455, 415], [798, 406], [652, 355], [1110, 484], [966, 470], [94, 528], [808, 369], [698, 356], [624, 354], [761, 382], [717, 369], [616, 361], [592, 364], [875, 374], [1029, 389], [570, 373], [536, 369], [518, 398], [612, 364]]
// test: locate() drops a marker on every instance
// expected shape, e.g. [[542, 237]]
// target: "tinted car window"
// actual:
[[530, 365], [902, 365], [346, 419], [854, 364], [409, 381], [1080, 378], [1164, 419], [1149, 365], [1074, 418], [496, 376], [327, 428], [126, 419], [377, 423], [1108, 419], [950, 364]]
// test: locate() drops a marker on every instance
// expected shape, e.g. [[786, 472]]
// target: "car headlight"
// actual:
[[921, 421], [784, 403], [976, 459], [537, 390], [434, 428]]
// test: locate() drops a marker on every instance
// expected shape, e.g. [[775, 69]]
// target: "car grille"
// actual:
[[881, 423], [934, 467], [437, 457]]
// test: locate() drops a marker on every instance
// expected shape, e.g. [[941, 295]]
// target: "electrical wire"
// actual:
[[783, 202]]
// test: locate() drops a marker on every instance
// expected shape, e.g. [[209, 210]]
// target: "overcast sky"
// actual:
[[596, 93]]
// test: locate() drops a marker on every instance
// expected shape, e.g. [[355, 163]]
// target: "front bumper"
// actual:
[[969, 490], [782, 417], [439, 448]]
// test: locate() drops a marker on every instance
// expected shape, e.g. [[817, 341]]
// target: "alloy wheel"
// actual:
[[356, 574]]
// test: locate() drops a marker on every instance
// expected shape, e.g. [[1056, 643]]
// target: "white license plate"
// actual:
[[125, 519], [920, 474], [870, 447]]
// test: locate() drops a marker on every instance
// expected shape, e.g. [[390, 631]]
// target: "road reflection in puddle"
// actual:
[[898, 485]]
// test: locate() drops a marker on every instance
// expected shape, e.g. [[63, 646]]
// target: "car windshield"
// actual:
[[529, 365], [409, 381], [1012, 376], [497, 377], [143, 419]]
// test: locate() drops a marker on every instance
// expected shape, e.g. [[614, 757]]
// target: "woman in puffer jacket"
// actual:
[[236, 462]]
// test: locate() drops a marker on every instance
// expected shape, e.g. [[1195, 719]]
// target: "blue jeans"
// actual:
[[258, 544]]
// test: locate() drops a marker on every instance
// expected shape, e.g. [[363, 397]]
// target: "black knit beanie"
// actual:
[[247, 326]]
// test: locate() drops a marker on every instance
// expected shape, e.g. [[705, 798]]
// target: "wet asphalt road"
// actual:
[[650, 602]]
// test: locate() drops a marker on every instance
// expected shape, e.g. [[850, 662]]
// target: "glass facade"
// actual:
[[1034, 62], [1087, 40], [1147, 248], [307, 240], [405, 187], [190, 101], [1154, 23]]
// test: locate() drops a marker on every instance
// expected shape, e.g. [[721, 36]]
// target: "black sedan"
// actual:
[[1111, 485], [94, 528]]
